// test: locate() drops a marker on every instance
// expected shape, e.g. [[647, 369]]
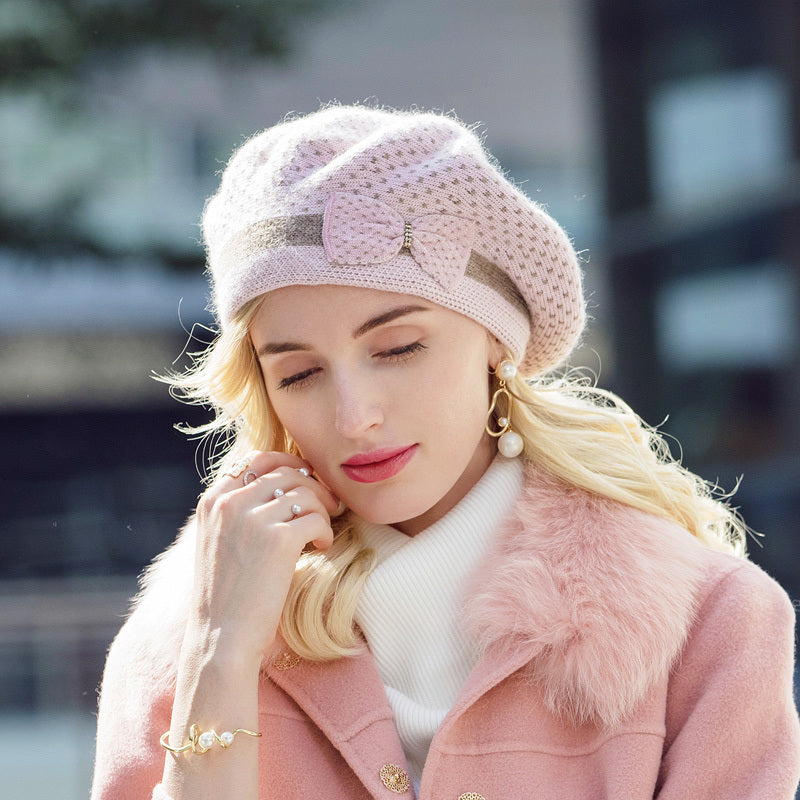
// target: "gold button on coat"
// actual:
[[285, 660], [394, 778], [471, 796]]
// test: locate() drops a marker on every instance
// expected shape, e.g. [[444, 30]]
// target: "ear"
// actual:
[[497, 351]]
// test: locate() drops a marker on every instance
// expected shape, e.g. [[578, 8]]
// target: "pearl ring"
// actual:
[[278, 493], [296, 510]]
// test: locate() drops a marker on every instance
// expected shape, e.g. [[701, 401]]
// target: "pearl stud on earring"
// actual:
[[509, 443], [506, 370]]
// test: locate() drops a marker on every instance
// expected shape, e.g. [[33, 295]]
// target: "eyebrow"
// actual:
[[387, 316], [271, 348]]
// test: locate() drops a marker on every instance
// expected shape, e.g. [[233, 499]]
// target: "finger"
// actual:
[[265, 461], [289, 509], [237, 468], [282, 480], [298, 502], [314, 529], [257, 463], [319, 520]]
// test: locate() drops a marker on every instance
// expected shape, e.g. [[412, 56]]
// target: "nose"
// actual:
[[358, 407]]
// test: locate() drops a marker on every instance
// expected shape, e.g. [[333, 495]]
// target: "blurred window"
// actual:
[[716, 135], [739, 317]]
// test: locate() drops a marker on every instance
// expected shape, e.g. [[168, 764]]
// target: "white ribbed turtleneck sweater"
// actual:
[[410, 608]]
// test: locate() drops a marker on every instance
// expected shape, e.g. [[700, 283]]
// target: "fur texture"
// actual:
[[601, 597], [162, 604]]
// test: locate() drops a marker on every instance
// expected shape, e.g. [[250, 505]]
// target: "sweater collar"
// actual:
[[480, 511], [411, 606]]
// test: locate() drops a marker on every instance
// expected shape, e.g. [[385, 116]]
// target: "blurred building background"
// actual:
[[663, 134]]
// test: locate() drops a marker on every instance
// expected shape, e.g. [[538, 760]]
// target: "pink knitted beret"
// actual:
[[403, 202]]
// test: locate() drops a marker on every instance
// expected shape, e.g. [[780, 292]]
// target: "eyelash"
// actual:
[[296, 381], [395, 354], [403, 353]]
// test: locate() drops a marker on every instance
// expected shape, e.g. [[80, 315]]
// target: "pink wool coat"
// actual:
[[623, 661]]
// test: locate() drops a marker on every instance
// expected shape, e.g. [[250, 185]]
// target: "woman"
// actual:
[[370, 600]]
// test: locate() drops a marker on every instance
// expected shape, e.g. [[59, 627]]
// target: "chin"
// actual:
[[392, 514]]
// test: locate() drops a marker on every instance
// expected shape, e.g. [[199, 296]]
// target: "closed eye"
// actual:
[[298, 379], [401, 353]]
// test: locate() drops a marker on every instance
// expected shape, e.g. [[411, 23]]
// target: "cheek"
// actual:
[[463, 396], [300, 423], [292, 413]]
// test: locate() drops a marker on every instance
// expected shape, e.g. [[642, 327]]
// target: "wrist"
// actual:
[[216, 689], [212, 652]]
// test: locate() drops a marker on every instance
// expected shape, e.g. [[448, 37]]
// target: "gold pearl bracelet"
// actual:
[[202, 742]]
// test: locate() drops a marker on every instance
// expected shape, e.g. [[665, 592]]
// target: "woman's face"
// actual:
[[385, 395]]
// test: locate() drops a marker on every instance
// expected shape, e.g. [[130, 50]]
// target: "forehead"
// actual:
[[294, 307]]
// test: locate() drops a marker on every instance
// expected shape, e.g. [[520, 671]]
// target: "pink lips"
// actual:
[[378, 465]]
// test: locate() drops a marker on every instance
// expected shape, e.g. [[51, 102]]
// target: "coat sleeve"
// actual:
[[135, 707], [732, 725], [138, 688]]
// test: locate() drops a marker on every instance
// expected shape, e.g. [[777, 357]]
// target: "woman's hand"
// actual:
[[251, 529]]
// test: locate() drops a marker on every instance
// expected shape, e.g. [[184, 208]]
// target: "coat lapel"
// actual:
[[346, 700]]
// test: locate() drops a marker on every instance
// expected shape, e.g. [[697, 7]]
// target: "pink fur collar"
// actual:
[[599, 596]]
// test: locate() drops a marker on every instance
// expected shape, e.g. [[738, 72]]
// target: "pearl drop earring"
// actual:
[[509, 442]]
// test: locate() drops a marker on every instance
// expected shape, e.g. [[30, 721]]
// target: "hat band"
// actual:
[[305, 230]]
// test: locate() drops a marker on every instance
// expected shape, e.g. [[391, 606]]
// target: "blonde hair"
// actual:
[[577, 432]]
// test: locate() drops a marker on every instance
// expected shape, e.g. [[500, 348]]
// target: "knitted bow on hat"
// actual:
[[362, 230]]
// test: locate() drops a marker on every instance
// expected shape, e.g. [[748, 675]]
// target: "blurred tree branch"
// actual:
[[42, 38], [61, 163]]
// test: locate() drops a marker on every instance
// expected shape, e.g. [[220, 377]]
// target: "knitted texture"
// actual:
[[402, 202]]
